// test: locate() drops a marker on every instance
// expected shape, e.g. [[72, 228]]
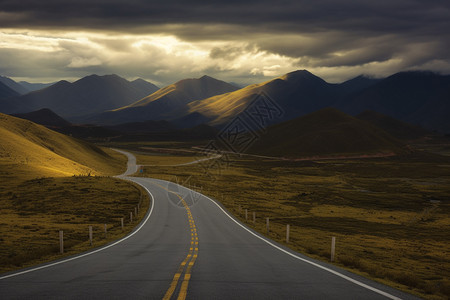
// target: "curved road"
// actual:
[[189, 247]]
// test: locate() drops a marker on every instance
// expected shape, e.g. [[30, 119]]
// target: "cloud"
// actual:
[[235, 40]]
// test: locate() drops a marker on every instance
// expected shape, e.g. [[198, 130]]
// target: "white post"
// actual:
[[90, 235], [106, 232], [121, 223], [61, 241], [267, 225], [246, 214], [287, 233], [254, 217], [333, 247]]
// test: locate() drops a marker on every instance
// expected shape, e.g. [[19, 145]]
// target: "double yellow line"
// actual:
[[189, 260]]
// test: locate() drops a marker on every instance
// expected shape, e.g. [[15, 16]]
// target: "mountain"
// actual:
[[327, 132], [358, 83], [39, 151], [44, 117], [89, 95], [31, 87], [166, 103], [144, 86], [296, 93], [6, 92], [417, 97], [398, 129], [14, 85]]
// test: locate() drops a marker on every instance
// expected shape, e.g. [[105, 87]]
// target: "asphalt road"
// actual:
[[188, 246]]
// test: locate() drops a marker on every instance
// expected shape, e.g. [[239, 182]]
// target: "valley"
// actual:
[[390, 216], [295, 150]]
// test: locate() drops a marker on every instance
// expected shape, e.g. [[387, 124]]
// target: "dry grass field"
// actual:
[[35, 210], [390, 216], [51, 182]]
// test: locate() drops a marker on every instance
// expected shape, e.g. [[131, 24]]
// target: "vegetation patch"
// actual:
[[34, 211], [390, 216]]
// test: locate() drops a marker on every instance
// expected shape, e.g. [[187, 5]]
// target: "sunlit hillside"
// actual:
[[26, 147]]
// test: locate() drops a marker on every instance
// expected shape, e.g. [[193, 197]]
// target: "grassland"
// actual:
[[51, 182], [390, 216], [35, 210]]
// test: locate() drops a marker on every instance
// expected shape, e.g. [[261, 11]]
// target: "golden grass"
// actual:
[[37, 198], [379, 210], [34, 211], [39, 151]]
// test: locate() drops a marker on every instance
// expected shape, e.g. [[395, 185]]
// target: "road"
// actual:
[[188, 246]]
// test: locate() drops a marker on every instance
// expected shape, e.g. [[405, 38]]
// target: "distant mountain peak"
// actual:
[[300, 75]]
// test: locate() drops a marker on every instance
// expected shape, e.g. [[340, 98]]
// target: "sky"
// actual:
[[237, 41]]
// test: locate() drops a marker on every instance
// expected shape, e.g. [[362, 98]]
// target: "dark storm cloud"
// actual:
[[314, 34], [291, 16]]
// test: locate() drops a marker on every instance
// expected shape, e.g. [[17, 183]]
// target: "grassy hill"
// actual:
[[394, 127], [30, 150], [325, 132], [44, 117]]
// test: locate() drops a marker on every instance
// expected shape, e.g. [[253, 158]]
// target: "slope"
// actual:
[[38, 151], [20, 89], [35, 86], [297, 93], [6, 91], [89, 95], [396, 128], [166, 103], [325, 132], [44, 117], [416, 97]]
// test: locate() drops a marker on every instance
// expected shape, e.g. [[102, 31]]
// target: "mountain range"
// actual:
[[168, 102], [297, 93], [416, 97], [89, 95]]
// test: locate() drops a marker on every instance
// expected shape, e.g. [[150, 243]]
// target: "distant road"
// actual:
[[189, 247]]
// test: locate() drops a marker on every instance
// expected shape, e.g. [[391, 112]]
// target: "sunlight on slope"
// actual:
[[37, 150], [152, 97], [227, 105]]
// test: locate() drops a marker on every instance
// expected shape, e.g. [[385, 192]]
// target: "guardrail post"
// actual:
[[287, 233], [61, 241], [121, 223], [267, 225], [90, 235], [333, 247], [254, 217]]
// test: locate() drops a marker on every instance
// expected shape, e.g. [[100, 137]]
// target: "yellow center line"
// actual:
[[189, 260]]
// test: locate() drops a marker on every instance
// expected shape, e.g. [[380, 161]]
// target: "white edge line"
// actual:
[[307, 261], [94, 251]]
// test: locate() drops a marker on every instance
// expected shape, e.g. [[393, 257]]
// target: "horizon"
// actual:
[[243, 42], [72, 80]]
